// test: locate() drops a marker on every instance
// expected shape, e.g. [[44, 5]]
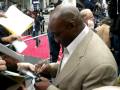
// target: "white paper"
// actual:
[[20, 46], [11, 73], [16, 22], [5, 50]]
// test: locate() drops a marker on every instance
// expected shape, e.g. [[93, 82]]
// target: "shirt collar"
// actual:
[[70, 48]]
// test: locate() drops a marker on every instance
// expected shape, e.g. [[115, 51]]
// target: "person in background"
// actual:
[[90, 4], [87, 62], [54, 46], [88, 18], [103, 30], [114, 14], [42, 21], [36, 26]]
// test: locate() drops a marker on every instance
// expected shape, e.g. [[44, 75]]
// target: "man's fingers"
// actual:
[[28, 66], [43, 67], [40, 68]]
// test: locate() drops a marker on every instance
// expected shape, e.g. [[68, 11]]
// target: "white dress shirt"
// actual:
[[71, 47]]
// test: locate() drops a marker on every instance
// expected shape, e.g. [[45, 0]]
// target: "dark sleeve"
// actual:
[[3, 33], [112, 8], [0, 40]]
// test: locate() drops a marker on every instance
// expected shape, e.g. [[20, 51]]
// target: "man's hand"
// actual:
[[2, 15], [15, 37], [26, 66], [2, 64], [42, 68], [43, 84], [11, 38]]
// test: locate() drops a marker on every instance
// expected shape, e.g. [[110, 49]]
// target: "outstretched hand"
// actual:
[[26, 66], [11, 38]]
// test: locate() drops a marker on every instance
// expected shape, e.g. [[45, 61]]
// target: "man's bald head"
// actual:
[[66, 19], [68, 14]]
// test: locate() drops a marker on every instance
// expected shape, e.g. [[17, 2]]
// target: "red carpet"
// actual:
[[42, 51]]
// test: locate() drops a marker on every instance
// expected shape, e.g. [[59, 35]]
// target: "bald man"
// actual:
[[87, 62]]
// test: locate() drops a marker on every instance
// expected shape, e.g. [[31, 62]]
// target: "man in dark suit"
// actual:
[[114, 13], [90, 4], [84, 66], [54, 46]]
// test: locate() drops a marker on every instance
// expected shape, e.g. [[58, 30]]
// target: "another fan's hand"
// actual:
[[26, 66]]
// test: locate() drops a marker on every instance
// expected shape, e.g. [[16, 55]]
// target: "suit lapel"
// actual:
[[74, 59]]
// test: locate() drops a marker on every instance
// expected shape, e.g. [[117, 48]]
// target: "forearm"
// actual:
[[10, 38], [5, 39]]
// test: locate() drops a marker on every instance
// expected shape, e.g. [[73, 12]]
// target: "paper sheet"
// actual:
[[16, 22], [20, 46]]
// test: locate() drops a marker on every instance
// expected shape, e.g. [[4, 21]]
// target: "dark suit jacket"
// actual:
[[114, 13], [90, 66], [3, 33], [112, 8]]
